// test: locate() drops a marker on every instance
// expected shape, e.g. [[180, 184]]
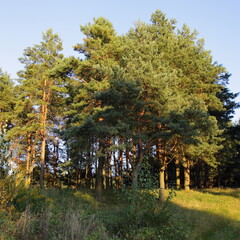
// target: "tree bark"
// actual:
[[177, 164], [135, 176], [161, 160], [28, 161], [120, 162], [136, 168], [99, 177], [186, 166], [42, 157], [162, 184], [166, 174], [43, 132]]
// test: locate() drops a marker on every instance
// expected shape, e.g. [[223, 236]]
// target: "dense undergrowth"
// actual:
[[67, 214]]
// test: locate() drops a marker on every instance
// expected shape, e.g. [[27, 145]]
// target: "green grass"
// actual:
[[212, 214]]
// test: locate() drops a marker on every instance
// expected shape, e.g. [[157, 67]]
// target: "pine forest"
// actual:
[[132, 121]]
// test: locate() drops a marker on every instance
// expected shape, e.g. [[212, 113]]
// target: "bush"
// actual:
[[141, 217], [7, 192], [30, 198]]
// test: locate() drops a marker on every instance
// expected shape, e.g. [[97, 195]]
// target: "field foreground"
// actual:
[[211, 214]]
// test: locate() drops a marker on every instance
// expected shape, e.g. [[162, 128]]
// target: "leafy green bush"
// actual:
[[141, 217], [31, 198], [7, 192]]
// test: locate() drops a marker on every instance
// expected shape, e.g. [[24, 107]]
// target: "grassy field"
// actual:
[[76, 215], [210, 214]]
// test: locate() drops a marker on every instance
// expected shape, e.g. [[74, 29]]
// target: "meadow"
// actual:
[[69, 214]]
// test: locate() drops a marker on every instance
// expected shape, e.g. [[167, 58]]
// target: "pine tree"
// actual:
[[40, 86], [102, 49], [7, 102]]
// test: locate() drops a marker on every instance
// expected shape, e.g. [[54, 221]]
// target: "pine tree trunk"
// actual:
[[136, 168], [135, 177], [88, 172], [99, 177], [28, 161], [115, 171], [87, 182], [120, 161], [107, 170], [178, 183], [206, 176], [78, 177], [55, 164], [42, 159], [162, 184], [111, 177], [44, 111], [161, 160], [166, 175], [186, 166]]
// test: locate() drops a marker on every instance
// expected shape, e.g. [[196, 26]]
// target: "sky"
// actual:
[[22, 23]]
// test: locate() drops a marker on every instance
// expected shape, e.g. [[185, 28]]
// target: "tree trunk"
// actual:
[[162, 184], [99, 177], [206, 175], [78, 177], [43, 145], [55, 164], [178, 183], [166, 175], [107, 171], [162, 162], [186, 166], [88, 170], [136, 168], [135, 176], [28, 161], [44, 111], [120, 162]]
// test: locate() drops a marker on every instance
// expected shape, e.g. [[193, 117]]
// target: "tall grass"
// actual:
[[67, 217], [73, 215]]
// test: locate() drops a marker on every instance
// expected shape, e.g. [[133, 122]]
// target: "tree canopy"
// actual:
[[152, 95]]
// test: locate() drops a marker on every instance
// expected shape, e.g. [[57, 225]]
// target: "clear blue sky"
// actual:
[[23, 21]]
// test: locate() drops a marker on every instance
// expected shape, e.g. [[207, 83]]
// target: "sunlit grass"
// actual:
[[211, 214], [220, 202]]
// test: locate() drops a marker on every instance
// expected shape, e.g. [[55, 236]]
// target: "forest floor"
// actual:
[[210, 214]]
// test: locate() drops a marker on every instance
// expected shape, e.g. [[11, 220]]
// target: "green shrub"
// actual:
[[7, 192], [142, 217], [31, 198]]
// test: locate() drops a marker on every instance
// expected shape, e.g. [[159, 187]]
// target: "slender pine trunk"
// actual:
[[42, 157], [100, 174], [161, 160], [44, 112], [28, 161], [120, 163], [177, 164], [162, 184], [186, 165], [136, 168], [135, 176]]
